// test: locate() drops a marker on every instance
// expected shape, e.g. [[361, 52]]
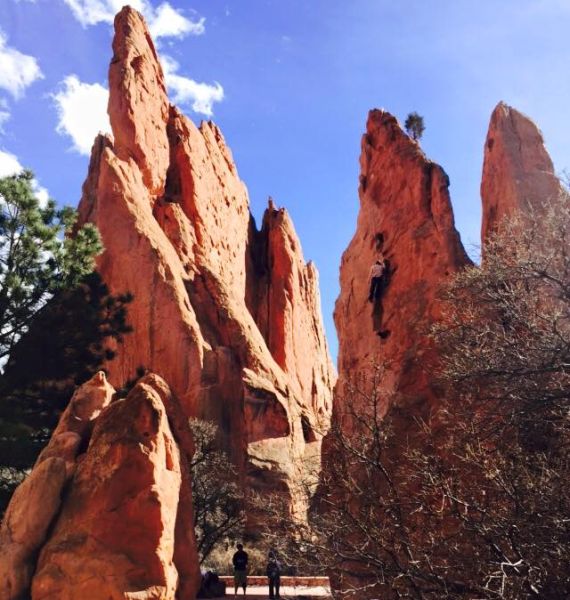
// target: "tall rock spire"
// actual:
[[518, 174], [405, 212], [178, 234], [385, 351], [138, 104], [228, 320]]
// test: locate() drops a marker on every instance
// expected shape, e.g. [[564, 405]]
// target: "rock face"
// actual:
[[518, 174], [227, 315], [106, 512], [36, 502], [405, 212]]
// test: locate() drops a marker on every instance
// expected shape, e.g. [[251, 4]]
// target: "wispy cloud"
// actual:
[[188, 92], [4, 113], [163, 20], [17, 70], [167, 21], [82, 112]]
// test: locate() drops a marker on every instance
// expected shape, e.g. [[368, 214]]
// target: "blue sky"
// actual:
[[290, 83]]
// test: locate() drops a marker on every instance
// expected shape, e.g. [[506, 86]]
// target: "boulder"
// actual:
[[36, 502], [115, 535]]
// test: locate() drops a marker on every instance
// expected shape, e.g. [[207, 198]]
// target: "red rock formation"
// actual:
[[115, 535], [518, 175], [284, 299], [36, 502], [24, 527], [405, 211], [178, 234], [139, 109], [108, 505]]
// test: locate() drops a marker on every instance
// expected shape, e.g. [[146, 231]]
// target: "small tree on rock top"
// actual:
[[414, 125]]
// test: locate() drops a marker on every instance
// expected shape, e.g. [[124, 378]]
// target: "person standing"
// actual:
[[273, 575], [240, 561]]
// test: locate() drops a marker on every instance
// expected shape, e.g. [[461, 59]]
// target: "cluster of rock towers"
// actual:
[[227, 324]]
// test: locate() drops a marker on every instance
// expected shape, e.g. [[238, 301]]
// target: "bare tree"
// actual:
[[474, 501], [218, 500]]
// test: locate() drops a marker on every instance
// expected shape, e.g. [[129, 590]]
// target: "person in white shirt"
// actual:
[[376, 274]]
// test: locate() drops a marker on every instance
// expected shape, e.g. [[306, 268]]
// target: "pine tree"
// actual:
[[56, 317], [35, 260], [414, 126]]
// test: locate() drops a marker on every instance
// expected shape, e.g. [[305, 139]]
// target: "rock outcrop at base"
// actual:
[[37, 501], [518, 174], [107, 515], [115, 532], [229, 316]]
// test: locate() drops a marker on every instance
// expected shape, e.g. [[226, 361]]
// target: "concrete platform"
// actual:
[[301, 588], [258, 592]]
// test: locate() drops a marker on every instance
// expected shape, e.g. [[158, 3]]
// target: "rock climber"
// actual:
[[379, 273], [376, 275]]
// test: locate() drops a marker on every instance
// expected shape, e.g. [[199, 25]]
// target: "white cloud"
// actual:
[[167, 21], [41, 193], [82, 111], [10, 165], [163, 21], [17, 70], [186, 91]]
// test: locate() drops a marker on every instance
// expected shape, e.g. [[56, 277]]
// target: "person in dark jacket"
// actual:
[[240, 561], [273, 575]]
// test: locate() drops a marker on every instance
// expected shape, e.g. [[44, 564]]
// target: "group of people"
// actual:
[[273, 571]]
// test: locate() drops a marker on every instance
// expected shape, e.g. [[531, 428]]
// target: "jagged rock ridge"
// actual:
[[229, 316]]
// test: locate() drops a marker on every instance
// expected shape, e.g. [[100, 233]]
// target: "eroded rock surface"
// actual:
[[227, 315], [405, 212], [106, 512]]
